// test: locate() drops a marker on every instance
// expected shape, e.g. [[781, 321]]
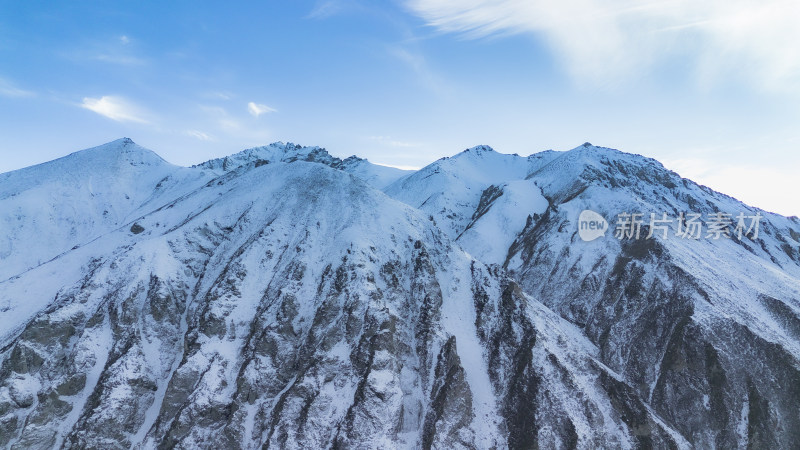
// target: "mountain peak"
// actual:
[[272, 153], [591, 147], [588, 153], [479, 150], [117, 155], [124, 144], [280, 152]]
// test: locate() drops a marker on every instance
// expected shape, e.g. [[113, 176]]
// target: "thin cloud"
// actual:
[[115, 108], [325, 8], [199, 135], [123, 60], [391, 142], [257, 109], [8, 89], [219, 95], [606, 41], [231, 127], [221, 118], [417, 63], [121, 50], [228, 124]]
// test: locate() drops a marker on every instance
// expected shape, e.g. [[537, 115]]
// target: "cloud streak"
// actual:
[[8, 89], [115, 108], [118, 51], [391, 142], [325, 9], [257, 109], [197, 134], [425, 75], [606, 41]]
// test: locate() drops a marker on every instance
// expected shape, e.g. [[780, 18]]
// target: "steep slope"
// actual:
[[292, 306], [275, 299], [705, 330], [375, 175]]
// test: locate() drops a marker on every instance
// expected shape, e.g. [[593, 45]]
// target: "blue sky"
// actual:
[[711, 88]]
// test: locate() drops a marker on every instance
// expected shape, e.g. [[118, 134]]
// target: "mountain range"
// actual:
[[282, 297]]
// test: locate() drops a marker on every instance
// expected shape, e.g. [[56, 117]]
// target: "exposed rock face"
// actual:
[[276, 301], [269, 317], [697, 329], [701, 329]]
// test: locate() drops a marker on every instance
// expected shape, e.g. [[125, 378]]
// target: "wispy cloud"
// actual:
[[257, 109], [9, 89], [115, 108], [119, 50], [221, 125], [417, 62], [116, 58], [221, 118], [219, 95], [391, 142], [602, 41], [325, 8], [199, 135]]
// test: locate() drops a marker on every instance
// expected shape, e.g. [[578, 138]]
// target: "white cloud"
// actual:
[[115, 108], [602, 41], [8, 89], [199, 135], [124, 39], [257, 109]]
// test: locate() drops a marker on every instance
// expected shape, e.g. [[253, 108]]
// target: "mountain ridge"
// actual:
[[289, 303], [140, 304]]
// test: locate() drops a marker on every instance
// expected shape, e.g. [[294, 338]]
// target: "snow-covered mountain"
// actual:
[[705, 331], [50, 208], [277, 298]]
